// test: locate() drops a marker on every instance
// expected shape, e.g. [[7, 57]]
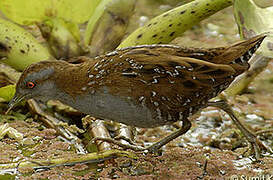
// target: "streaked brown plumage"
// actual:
[[143, 86]]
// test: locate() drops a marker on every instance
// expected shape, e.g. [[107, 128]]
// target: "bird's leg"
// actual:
[[156, 146], [255, 143]]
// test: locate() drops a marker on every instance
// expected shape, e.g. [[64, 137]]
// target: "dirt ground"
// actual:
[[212, 149]]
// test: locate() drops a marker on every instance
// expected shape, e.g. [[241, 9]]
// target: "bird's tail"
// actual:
[[237, 55]]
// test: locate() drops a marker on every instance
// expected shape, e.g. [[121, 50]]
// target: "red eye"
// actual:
[[30, 85]]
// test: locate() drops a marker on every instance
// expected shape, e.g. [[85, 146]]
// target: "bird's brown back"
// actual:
[[173, 82]]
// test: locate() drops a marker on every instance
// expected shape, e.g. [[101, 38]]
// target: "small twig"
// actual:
[[86, 158], [258, 64], [264, 131], [205, 172], [52, 122]]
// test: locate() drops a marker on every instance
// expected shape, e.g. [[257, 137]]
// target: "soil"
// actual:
[[213, 149]]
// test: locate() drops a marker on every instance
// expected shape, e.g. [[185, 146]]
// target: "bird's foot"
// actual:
[[114, 141], [257, 147]]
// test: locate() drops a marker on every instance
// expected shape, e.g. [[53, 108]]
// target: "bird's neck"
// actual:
[[72, 79]]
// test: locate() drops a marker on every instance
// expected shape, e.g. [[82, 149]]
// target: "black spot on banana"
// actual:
[[18, 48]]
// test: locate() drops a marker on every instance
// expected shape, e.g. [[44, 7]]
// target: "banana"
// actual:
[[171, 24], [18, 48]]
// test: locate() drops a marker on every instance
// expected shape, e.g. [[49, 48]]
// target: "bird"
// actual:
[[142, 86]]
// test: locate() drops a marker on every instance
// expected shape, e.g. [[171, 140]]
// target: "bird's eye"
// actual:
[[30, 84]]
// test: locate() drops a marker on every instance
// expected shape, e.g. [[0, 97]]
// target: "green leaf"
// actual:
[[29, 11], [63, 37], [18, 48], [7, 92], [253, 20], [263, 3], [108, 25], [94, 20]]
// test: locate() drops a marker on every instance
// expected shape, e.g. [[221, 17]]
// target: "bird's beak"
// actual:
[[14, 101]]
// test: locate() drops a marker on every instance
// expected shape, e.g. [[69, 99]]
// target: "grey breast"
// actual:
[[102, 104]]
